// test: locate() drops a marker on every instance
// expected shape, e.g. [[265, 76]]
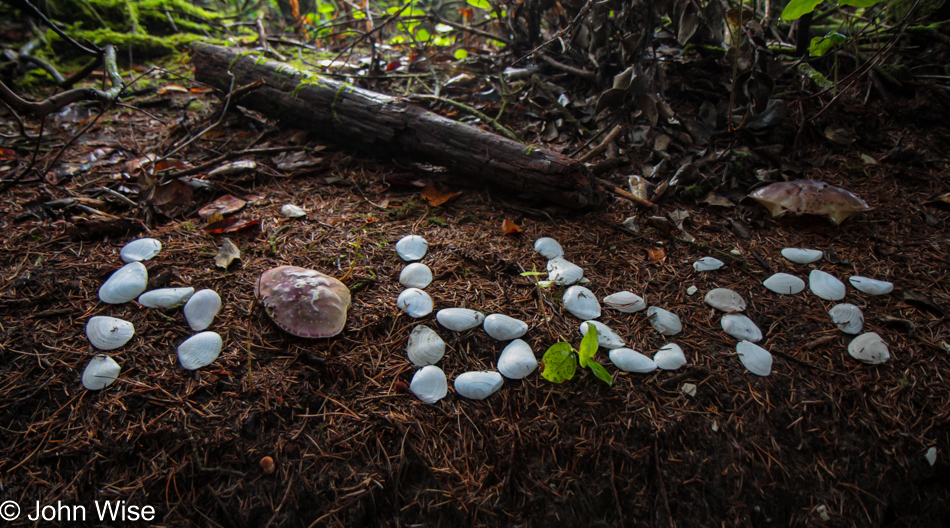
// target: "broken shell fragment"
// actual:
[[931, 456], [582, 303], [802, 256], [625, 302], [292, 211], [708, 264], [606, 337], [411, 247], [504, 328], [199, 350], [459, 319], [125, 284], [165, 298], [810, 197], [478, 385], [629, 360], [847, 317], [741, 327], [429, 384], [869, 348], [415, 275], [100, 372], [725, 299], [871, 286], [784, 284], [414, 302], [305, 302], [141, 249], [425, 347], [108, 333], [825, 285], [755, 358], [664, 322], [563, 272], [201, 309], [548, 248], [517, 360], [669, 357]]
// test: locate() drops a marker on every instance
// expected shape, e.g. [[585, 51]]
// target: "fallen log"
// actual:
[[387, 125]]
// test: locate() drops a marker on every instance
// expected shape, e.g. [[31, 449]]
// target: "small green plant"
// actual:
[[561, 360], [797, 8]]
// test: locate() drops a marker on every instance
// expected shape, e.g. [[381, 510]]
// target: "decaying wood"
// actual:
[[387, 125]]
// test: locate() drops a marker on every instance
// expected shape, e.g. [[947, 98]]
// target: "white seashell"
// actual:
[[108, 333], [931, 456], [784, 284], [725, 299], [802, 256], [100, 372], [199, 350], [669, 357], [125, 284], [741, 327], [692, 290], [871, 286], [825, 285], [459, 319], [478, 385], [201, 309], [708, 264], [664, 322], [755, 358], [629, 360], [517, 360], [548, 248], [429, 384], [411, 247], [606, 337], [425, 347], [563, 272], [414, 302], [582, 303], [847, 317], [869, 348], [416, 275], [292, 211], [141, 249], [625, 302], [504, 328], [165, 297]]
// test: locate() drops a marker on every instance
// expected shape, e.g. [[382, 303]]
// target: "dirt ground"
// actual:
[[823, 441]]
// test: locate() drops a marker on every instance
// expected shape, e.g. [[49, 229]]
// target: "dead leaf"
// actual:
[[510, 228], [292, 161], [172, 195], [717, 200], [226, 204], [740, 228], [921, 300], [657, 255], [234, 168], [734, 17], [172, 88], [227, 254], [7, 154], [230, 225], [435, 195]]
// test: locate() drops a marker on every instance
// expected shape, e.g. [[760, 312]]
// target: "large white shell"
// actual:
[[563, 272], [517, 360], [582, 303], [478, 385], [424, 347], [201, 309], [755, 358], [725, 299], [548, 248], [108, 333], [199, 350], [416, 275], [606, 337], [741, 327], [411, 247], [629, 360], [663, 321], [708, 264], [504, 328], [625, 302], [869, 348], [802, 256], [459, 319], [141, 249], [871, 286], [825, 285], [292, 211], [100, 372], [784, 284], [847, 317], [669, 357], [414, 302], [166, 297], [125, 284], [429, 384]]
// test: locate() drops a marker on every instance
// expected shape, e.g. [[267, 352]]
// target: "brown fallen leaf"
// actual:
[[226, 204], [657, 255], [510, 228], [230, 225], [227, 254], [924, 301], [172, 195], [435, 196]]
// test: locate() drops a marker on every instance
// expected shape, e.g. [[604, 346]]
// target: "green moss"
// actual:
[[148, 45]]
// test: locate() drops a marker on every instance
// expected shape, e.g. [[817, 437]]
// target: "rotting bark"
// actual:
[[387, 125]]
